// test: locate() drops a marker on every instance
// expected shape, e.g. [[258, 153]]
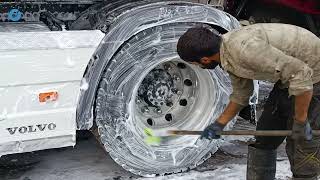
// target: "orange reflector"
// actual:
[[48, 96]]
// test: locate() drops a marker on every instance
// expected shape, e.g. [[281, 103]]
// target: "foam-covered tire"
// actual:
[[121, 124]]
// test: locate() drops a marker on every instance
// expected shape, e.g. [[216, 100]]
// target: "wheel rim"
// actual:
[[179, 97], [208, 105]]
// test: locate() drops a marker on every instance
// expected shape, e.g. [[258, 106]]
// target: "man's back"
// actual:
[[291, 40], [297, 42], [271, 52]]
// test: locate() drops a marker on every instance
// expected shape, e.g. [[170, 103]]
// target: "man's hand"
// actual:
[[230, 112], [301, 131], [210, 132]]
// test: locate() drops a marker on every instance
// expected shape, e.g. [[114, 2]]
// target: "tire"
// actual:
[[142, 76]]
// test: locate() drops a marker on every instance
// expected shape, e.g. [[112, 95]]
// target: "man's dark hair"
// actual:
[[197, 43]]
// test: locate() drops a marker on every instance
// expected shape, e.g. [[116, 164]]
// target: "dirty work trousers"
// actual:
[[278, 114]]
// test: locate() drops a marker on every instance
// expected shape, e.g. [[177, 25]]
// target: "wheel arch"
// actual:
[[123, 29]]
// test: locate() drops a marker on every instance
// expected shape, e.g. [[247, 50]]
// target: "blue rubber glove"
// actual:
[[210, 132], [301, 132]]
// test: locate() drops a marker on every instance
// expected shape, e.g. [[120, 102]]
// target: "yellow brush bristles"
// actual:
[[151, 139]]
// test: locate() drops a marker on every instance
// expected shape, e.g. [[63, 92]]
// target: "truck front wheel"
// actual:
[[146, 85]]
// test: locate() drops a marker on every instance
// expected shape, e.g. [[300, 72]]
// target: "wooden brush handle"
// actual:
[[242, 132]]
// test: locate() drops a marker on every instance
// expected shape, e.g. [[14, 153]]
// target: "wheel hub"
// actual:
[[165, 94], [155, 89]]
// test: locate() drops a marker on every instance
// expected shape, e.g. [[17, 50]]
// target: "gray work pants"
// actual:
[[278, 115]]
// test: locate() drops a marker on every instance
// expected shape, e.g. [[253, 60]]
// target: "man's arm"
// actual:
[[229, 113], [302, 102], [242, 90]]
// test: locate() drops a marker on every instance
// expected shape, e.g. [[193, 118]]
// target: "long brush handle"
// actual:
[[242, 132]]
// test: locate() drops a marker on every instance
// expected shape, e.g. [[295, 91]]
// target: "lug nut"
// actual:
[[175, 77], [167, 67], [145, 110], [169, 104], [158, 110], [174, 90]]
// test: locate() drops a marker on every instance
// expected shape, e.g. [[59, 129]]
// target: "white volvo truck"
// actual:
[[112, 66]]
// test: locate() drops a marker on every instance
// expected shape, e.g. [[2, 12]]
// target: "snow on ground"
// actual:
[[88, 161], [229, 172]]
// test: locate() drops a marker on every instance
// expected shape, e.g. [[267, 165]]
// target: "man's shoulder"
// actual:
[[263, 26], [242, 34], [257, 29]]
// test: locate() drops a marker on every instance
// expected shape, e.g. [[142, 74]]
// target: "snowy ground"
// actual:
[[229, 171], [88, 161]]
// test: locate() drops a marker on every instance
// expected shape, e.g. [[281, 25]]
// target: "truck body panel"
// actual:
[[34, 64]]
